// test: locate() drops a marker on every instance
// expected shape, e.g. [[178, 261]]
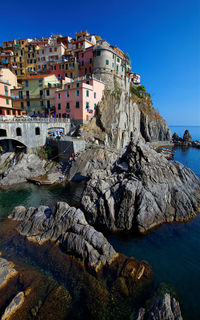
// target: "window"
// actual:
[[6, 91], [50, 49], [98, 53], [117, 68], [95, 95], [82, 55], [77, 93], [28, 103], [58, 95], [118, 60], [90, 70], [122, 69], [87, 93], [107, 62], [67, 94], [41, 93], [40, 83], [87, 105], [41, 103], [8, 112], [47, 92], [37, 131], [21, 94], [48, 104], [77, 104], [85, 70], [68, 86], [55, 49], [95, 106], [68, 106], [18, 132], [59, 106], [27, 94], [71, 75], [113, 65], [82, 63], [78, 84], [22, 105], [26, 83], [7, 101], [90, 60]]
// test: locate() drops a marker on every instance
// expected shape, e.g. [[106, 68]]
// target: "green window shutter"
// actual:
[[7, 101], [87, 93], [6, 90], [87, 104], [107, 62], [95, 106]]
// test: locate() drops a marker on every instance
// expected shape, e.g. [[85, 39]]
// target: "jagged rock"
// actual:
[[187, 139], [92, 159], [15, 304], [141, 191], [6, 271], [23, 167], [119, 117], [163, 308], [68, 227]]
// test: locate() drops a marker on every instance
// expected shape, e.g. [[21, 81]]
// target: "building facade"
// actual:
[[8, 81], [79, 98]]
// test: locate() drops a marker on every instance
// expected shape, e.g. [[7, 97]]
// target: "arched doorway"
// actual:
[[3, 133]]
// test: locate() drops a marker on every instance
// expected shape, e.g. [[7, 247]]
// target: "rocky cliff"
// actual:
[[141, 191], [121, 116]]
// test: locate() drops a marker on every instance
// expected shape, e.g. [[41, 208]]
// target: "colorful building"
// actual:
[[8, 81], [78, 99], [32, 96], [49, 55], [85, 59]]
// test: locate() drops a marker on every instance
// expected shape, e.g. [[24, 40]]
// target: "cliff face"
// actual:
[[120, 117]]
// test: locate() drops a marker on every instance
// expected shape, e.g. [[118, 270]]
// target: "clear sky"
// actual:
[[162, 38]]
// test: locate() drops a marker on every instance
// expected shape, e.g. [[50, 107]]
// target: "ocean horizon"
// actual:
[[194, 131]]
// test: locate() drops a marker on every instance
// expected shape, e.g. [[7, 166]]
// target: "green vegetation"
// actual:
[[117, 91], [144, 102]]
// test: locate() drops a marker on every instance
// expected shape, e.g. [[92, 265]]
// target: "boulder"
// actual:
[[68, 227], [141, 191], [162, 308]]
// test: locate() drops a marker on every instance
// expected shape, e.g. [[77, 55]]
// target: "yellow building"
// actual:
[[32, 97], [23, 60]]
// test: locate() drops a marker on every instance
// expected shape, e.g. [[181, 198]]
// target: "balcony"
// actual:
[[17, 97], [34, 97]]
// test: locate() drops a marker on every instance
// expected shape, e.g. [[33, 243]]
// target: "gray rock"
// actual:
[[68, 227], [6, 271], [162, 308], [13, 306], [152, 191]]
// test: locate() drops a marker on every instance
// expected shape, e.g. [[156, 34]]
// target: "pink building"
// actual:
[[78, 99], [8, 81], [85, 59]]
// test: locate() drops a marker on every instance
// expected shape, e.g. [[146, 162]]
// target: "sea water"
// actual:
[[173, 249], [194, 131]]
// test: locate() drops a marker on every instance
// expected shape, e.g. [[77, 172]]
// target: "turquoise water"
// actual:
[[194, 131], [173, 250]]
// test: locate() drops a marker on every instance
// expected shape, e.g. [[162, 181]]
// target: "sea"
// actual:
[[173, 249]]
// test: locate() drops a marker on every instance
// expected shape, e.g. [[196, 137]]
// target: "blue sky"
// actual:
[[162, 38]]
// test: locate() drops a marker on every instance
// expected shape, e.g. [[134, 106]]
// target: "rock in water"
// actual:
[[68, 227], [6, 271], [141, 191], [163, 308], [187, 139], [15, 304]]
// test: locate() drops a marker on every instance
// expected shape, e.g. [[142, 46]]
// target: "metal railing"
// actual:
[[29, 119]]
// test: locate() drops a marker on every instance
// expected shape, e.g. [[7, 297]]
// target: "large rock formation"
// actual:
[[119, 117], [141, 191], [162, 308], [68, 227], [17, 168]]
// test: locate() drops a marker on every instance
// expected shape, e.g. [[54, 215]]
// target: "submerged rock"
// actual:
[[6, 271], [163, 308], [15, 304], [68, 227], [141, 191]]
